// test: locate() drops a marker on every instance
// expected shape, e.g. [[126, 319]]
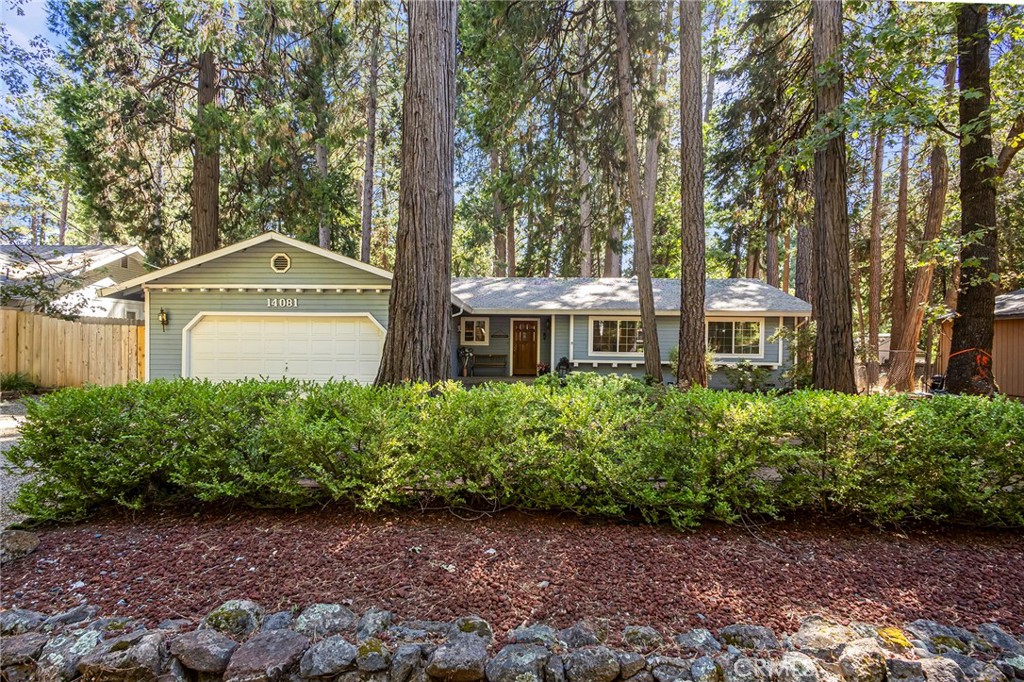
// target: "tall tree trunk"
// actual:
[[510, 243], [583, 171], [500, 265], [709, 91], [638, 203], [833, 356], [205, 188], [418, 342], [613, 245], [753, 258], [62, 226], [786, 249], [898, 302], [904, 349], [692, 370], [875, 259], [969, 369], [737, 253], [324, 231], [804, 279], [371, 143], [34, 227], [770, 199]]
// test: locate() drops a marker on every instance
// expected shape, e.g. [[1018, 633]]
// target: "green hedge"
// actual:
[[595, 445]]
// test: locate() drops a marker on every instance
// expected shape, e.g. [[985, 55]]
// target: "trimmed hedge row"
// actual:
[[591, 445]]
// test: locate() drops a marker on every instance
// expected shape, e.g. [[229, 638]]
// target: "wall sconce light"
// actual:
[[163, 319]]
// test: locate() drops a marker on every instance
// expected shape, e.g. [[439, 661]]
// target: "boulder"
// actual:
[[942, 670], [862, 660], [749, 636], [60, 656], [822, 638], [174, 624], [698, 641], [133, 657], [670, 673], [15, 544], [642, 676], [641, 637], [372, 624], [205, 651], [17, 621], [704, 669], [990, 673], [971, 667], [237, 617], [323, 620], [998, 639], [406, 660], [939, 638], [903, 670], [518, 663], [460, 659], [545, 635], [743, 669], [578, 635], [554, 670], [630, 663], [79, 614], [591, 664], [267, 657], [329, 657], [372, 656], [22, 649], [277, 621], [116, 625], [1011, 666], [474, 625], [796, 667]]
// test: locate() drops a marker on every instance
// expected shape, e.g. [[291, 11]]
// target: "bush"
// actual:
[[14, 382], [586, 444]]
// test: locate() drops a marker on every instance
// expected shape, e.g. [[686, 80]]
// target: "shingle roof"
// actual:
[[618, 294], [21, 261], [1011, 304]]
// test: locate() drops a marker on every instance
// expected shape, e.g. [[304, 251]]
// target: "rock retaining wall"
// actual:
[[239, 642]]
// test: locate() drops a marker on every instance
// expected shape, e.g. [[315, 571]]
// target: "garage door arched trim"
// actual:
[[186, 333]]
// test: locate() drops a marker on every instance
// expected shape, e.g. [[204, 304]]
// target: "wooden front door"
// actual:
[[524, 347]]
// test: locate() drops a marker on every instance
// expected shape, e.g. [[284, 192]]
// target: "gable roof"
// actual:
[[54, 263], [618, 294], [1011, 304]]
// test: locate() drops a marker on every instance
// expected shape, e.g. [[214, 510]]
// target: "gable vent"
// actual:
[[280, 262]]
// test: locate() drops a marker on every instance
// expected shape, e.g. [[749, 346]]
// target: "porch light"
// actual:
[[163, 319]]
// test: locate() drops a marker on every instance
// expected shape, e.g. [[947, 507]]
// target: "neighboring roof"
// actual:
[[19, 262], [1011, 304], [618, 294], [133, 285]]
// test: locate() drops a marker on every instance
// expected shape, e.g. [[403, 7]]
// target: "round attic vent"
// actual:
[[280, 262]]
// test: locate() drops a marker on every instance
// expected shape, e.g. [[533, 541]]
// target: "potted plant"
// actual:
[[543, 368]]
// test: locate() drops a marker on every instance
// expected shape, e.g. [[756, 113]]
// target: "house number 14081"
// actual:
[[282, 303]]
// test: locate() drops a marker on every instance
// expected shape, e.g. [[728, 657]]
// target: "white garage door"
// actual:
[[226, 347]]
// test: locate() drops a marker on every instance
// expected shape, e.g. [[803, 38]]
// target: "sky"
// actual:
[[32, 23]]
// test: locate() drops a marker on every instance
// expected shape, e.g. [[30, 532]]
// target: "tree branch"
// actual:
[[1014, 141]]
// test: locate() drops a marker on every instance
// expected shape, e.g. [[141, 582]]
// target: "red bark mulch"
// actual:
[[515, 568]]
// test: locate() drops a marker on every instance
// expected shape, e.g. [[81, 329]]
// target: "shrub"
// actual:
[[16, 382], [584, 444]]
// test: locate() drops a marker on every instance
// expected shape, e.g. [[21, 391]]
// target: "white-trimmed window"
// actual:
[[736, 338], [476, 331], [616, 336]]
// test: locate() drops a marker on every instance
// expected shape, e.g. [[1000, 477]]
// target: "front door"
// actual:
[[524, 347]]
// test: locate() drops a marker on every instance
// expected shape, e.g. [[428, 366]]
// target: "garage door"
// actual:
[[318, 348]]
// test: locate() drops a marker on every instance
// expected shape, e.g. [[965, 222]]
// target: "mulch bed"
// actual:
[[515, 568]]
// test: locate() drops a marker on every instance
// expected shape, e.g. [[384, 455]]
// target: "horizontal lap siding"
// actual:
[[166, 345], [252, 266]]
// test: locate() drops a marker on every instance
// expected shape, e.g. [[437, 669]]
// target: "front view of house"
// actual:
[[273, 307]]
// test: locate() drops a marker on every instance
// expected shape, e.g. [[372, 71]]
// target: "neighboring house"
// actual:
[[273, 306], [67, 279], [1007, 343]]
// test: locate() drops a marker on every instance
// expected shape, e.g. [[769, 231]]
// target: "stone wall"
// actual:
[[239, 642]]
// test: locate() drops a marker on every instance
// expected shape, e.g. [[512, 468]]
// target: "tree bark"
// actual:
[[969, 369], [500, 265], [875, 259], [510, 244], [709, 91], [638, 203], [205, 187], [692, 370], [904, 349], [62, 226], [418, 343], [324, 231], [583, 173], [371, 144], [833, 357], [898, 301], [613, 244]]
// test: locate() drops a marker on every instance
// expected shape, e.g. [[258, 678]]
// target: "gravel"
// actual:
[[11, 415], [514, 568]]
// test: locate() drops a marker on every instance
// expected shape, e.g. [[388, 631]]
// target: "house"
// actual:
[[1007, 343], [67, 279], [273, 306]]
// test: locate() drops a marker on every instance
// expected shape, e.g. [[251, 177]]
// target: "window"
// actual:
[[616, 336], [280, 262], [735, 337], [476, 331], [130, 315], [124, 262]]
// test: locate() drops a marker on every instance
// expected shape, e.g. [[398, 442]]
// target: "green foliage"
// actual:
[[747, 377], [16, 382], [585, 444]]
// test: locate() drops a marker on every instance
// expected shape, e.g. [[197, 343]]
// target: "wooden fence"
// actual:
[[55, 353]]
